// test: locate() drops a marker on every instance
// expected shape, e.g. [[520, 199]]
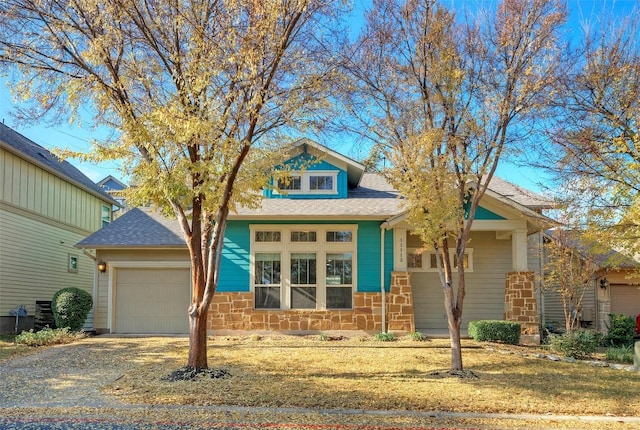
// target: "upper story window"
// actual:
[[324, 183], [293, 183], [310, 182], [106, 215]]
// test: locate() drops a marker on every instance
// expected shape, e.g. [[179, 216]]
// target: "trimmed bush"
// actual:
[[622, 328], [71, 307], [576, 344], [495, 331]]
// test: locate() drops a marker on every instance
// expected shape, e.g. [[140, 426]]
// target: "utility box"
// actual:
[[636, 353]]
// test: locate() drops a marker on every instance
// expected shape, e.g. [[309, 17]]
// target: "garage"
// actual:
[[152, 300], [625, 299]]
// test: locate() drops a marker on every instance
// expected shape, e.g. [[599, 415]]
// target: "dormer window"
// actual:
[[310, 182], [292, 183], [323, 183]]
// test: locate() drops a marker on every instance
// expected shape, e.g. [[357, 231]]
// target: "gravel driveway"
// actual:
[[71, 375]]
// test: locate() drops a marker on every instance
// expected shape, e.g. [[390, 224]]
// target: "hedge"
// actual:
[[495, 331]]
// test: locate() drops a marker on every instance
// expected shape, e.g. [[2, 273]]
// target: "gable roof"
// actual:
[[137, 228], [375, 198], [354, 169], [519, 195], [112, 184], [27, 149]]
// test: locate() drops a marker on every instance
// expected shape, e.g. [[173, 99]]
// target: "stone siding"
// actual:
[[235, 311], [521, 305]]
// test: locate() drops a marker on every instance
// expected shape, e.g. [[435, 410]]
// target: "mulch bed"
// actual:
[[193, 374]]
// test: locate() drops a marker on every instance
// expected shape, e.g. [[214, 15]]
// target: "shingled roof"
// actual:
[[137, 228], [23, 147], [374, 199]]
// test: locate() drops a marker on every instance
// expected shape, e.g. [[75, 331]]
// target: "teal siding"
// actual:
[[234, 268], [312, 164], [482, 213]]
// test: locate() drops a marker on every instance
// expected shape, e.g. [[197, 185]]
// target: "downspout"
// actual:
[[383, 228], [384, 296], [543, 318]]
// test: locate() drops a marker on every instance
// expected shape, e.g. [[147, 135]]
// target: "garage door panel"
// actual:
[[152, 300], [625, 299]]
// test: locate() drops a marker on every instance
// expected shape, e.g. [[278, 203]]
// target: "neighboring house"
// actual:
[[330, 249], [614, 289], [46, 207], [115, 189]]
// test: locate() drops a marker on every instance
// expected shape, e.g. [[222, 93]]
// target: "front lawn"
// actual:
[[9, 349], [281, 371]]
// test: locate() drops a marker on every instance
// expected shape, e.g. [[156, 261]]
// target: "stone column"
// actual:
[[521, 305], [400, 303]]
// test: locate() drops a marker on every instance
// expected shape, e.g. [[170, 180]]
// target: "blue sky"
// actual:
[[79, 137]]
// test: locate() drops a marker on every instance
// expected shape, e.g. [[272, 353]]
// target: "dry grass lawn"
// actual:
[[9, 349], [360, 373]]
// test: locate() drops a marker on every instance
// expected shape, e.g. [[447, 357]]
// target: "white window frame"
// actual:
[[321, 248], [105, 221], [305, 180], [426, 260]]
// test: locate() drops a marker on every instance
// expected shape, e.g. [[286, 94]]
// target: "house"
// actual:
[[614, 289], [328, 249], [115, 188], [46, 207]]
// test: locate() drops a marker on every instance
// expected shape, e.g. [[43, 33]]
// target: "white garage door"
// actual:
[[625, 299], [153, 301]]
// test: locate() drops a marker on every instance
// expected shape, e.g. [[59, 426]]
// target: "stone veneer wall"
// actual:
[[521, 305], [234, 311]]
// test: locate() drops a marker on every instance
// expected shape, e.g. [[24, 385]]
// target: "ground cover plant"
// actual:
[[361, 373]]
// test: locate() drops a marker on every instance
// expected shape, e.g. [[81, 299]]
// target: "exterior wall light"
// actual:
[[102, 267], [604, 283]]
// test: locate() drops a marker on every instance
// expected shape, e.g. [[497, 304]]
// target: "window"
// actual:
[[267, 236], [106, 215], [310, 182], [414, 260], [340, 236], [324, 183], [267, 279], [317, 270], [339, 277], [426, 262], [303, 236], [72, 263], [292, 183]]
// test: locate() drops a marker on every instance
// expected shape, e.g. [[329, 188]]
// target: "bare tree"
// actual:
[[445, 98], [197, 89]]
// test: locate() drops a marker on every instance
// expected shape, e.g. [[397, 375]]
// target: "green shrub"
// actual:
[[495, 331], [417, 336], [622, 328], [46, 336], [576, 344], [622, 354], [71, 307], [385, 337]]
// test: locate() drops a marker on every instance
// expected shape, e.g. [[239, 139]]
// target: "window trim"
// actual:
[[305, 183], [103, 220], [426, 260], [321, 248]]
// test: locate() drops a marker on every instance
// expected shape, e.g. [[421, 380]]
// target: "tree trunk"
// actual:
[[197, 338], [456, 345], [454, 322]]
